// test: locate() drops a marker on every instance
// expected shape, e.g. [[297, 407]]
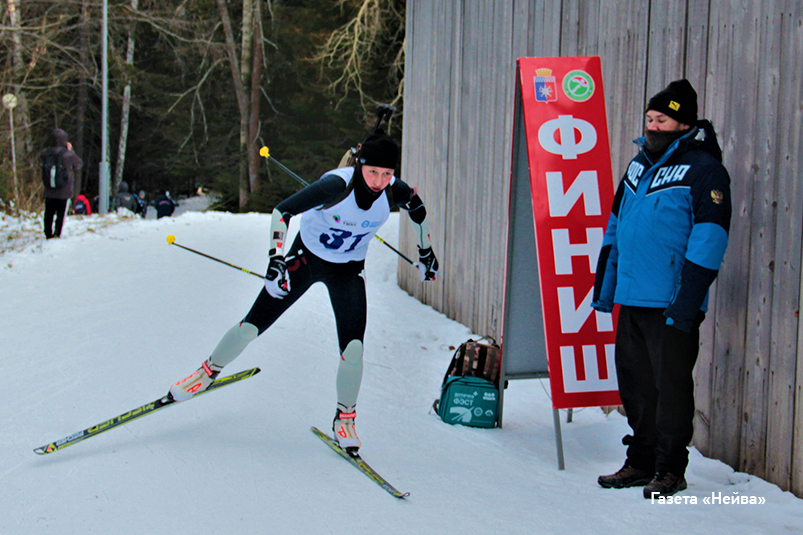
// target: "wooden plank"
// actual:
[[462, 199], [570, 27], [726, 89], [438, 179], [790, 157], [588, 38], [786, 303], [623, 51], [696, 52], [500, 188], [412, 143], [762, 250], [545, 29], [666, 42], [695, 72]]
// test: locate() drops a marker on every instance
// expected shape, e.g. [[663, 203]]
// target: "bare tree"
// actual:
[[253, 120], [126, 106], [246, 72], [373, 39], [22, 111]]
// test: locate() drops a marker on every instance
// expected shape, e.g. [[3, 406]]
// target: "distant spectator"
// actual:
[[143, 204], [165, 206], [59, 164], [82, 205], [124, 199]]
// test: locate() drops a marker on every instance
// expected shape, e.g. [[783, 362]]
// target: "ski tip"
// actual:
[[44, 450]]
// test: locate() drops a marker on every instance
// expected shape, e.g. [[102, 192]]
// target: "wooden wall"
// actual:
[[745, 59]]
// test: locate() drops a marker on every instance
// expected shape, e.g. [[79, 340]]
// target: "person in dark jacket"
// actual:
[[56, 198], [165, 205], [125, 199], [666, 238], [143, 204]]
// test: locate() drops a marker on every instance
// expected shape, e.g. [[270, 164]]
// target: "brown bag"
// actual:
[[476, 359]]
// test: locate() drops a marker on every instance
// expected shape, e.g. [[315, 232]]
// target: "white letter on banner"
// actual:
[[572, 320], [567, 147], [564, 251], [585, 184], [592, 382]]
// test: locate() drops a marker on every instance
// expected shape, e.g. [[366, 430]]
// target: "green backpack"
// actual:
[[470, 388]]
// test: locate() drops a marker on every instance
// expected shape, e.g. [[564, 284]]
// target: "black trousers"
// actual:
[[54, 207], [654, 364], [344, 282]]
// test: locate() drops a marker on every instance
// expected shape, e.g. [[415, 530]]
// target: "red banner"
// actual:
[[572, 192]]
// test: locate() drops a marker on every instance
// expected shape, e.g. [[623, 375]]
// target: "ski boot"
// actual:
[[196, 383], [344, 432]]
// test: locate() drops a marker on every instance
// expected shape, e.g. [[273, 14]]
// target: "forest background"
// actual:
[[195, 89]]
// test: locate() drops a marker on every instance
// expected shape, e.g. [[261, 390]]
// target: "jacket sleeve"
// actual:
[[407, 199], [708, 240], [320, 192], [605, 280]]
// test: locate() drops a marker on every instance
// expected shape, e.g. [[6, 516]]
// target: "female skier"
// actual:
[[342, 212]]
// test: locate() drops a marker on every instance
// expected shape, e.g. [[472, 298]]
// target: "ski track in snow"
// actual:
[[107, 318]]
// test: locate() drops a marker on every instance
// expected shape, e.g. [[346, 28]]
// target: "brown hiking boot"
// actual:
[[626, 477], [663, 485]]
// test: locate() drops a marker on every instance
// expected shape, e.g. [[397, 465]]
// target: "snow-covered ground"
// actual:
[[106, 318]]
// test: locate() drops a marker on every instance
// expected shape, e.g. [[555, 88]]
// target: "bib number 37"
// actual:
[[340, 238]]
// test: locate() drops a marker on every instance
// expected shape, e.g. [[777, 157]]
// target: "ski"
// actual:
[[360, 464], [139, 412]]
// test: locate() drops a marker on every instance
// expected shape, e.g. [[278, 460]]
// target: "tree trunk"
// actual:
[[254, 123], [126, 111], [239, 90], [22, 118], [83, 98]]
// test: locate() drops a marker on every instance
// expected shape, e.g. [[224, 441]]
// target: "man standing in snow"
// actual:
[[56, 197], [665, 241], [342, 212]]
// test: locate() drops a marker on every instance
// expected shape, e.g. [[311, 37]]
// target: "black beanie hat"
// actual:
[[379, 150], [678, 101]]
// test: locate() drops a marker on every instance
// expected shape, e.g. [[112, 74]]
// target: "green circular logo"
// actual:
[[578, 86]]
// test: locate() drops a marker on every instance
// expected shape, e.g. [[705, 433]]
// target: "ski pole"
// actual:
[[172, 241], [265, 153], [414, 264]]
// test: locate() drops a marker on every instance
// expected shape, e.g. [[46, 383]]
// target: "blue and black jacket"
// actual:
[[668, 230]]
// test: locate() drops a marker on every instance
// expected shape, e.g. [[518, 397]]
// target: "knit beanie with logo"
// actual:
[[678, 101], [379, 150]]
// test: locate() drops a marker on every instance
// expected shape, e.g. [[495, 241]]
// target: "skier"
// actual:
[[342, 212]]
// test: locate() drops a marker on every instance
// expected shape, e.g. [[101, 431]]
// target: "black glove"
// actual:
[[427, 264], [277, 282]]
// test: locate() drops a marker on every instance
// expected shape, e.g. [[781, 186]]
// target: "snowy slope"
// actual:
[[103, 321]]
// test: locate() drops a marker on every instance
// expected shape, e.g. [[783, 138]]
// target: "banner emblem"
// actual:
[[578, 86], [546, 87]]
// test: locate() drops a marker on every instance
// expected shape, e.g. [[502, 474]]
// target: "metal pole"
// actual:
[[103, 193], [558, 439]]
